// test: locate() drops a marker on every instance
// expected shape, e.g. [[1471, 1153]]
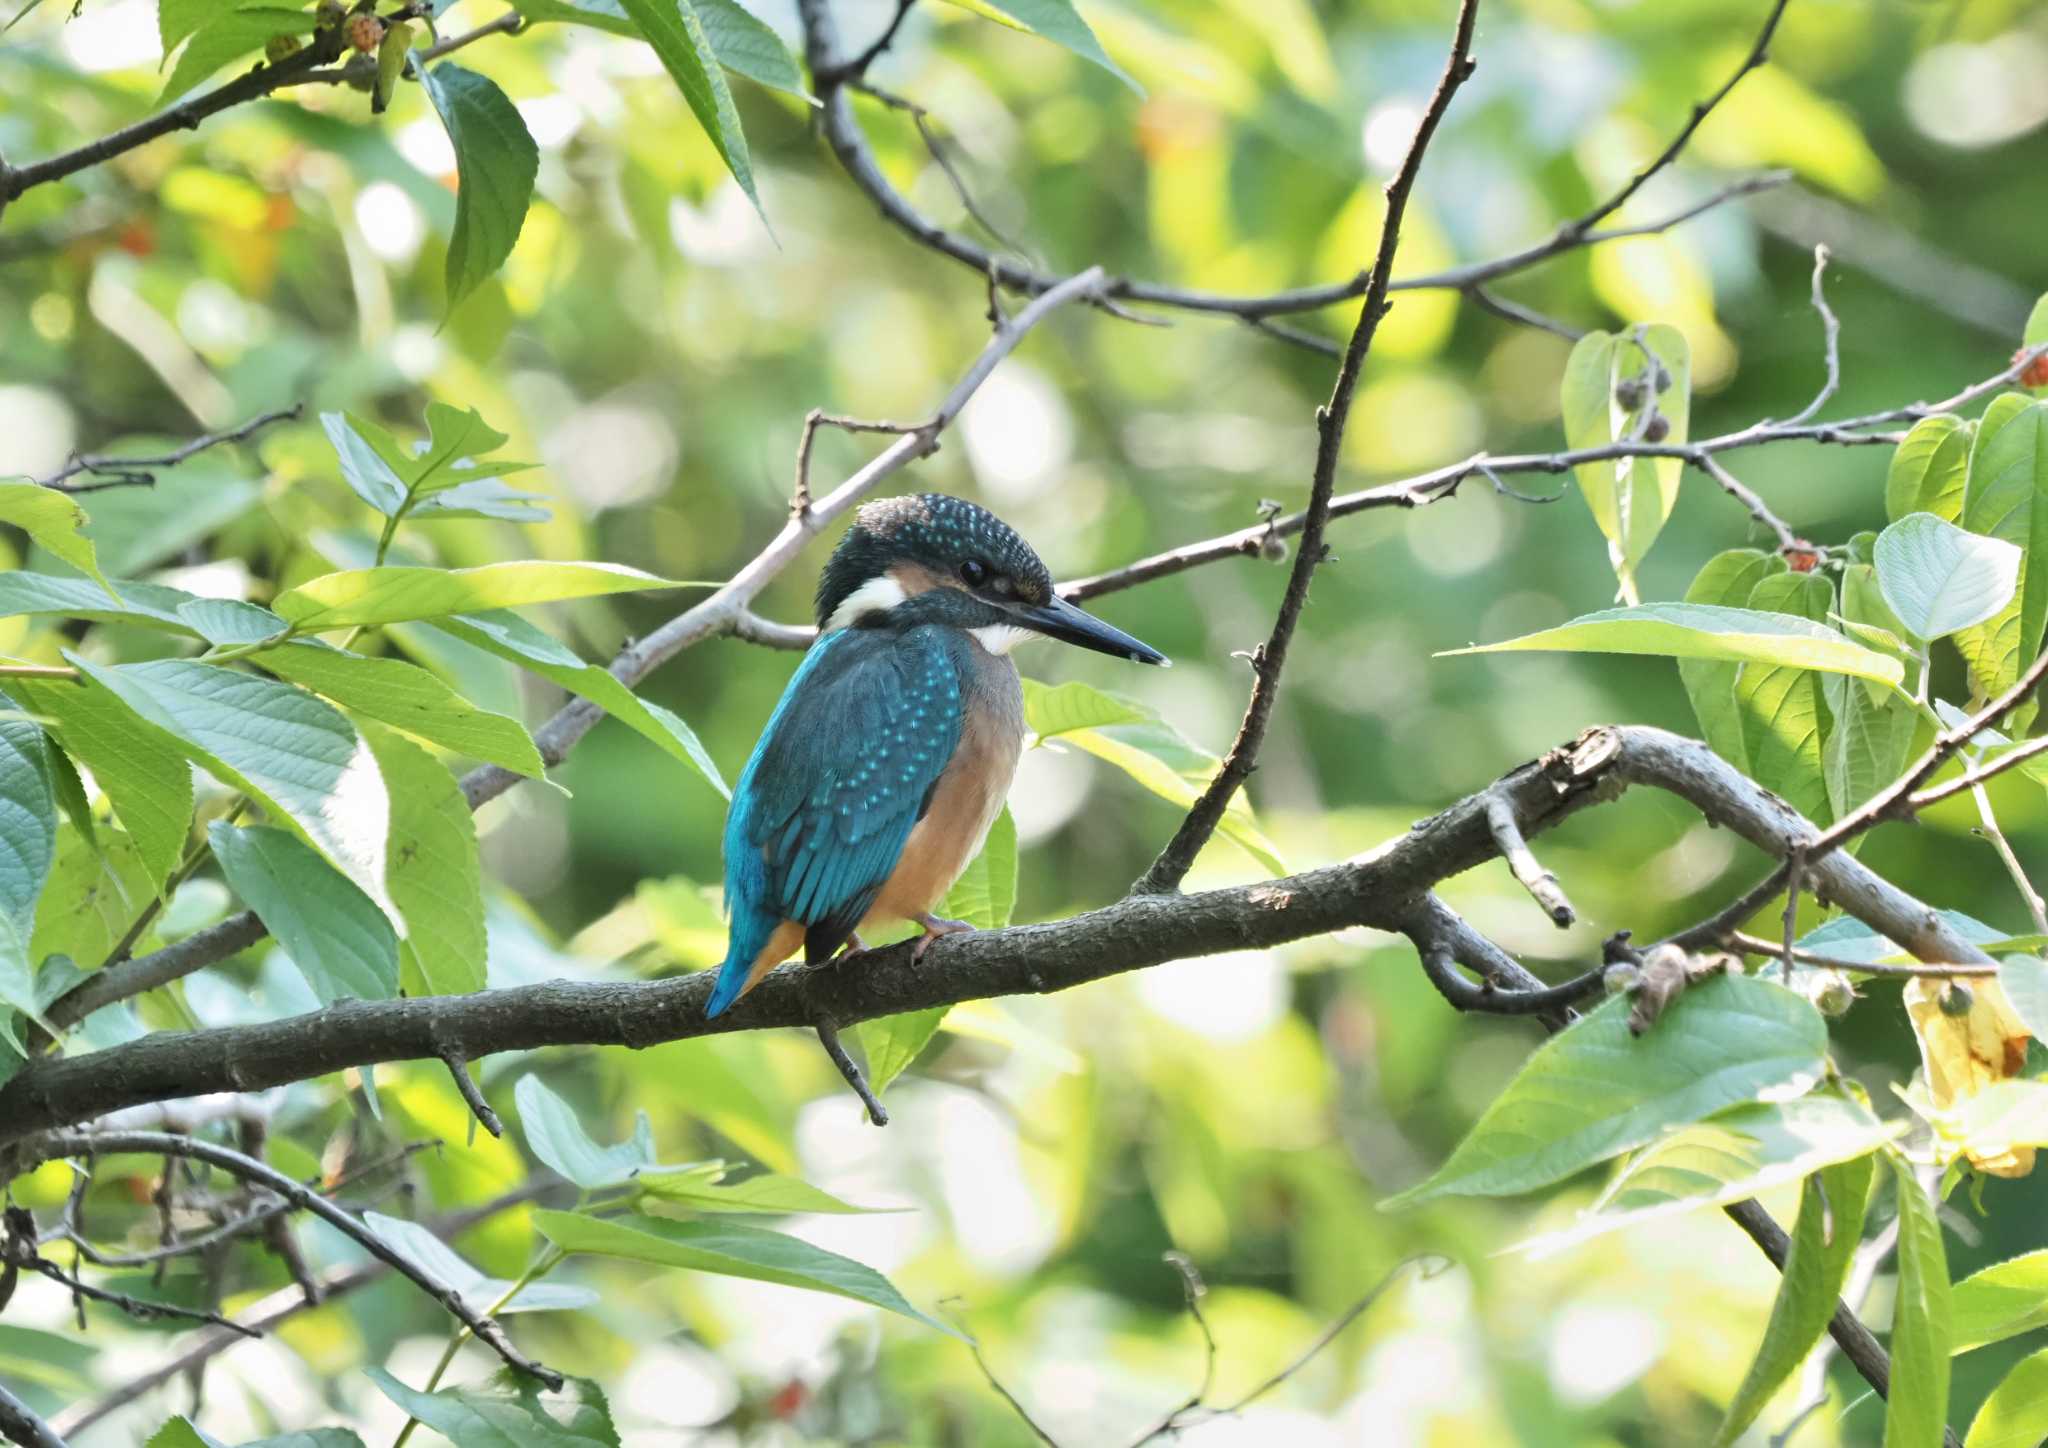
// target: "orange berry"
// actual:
[[2036, 371], [364, 32]]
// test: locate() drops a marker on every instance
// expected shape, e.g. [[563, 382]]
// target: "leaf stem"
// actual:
[[2035, 905]]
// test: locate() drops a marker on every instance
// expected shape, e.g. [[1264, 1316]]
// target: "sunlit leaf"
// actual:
[[230, 36], [2007, 498], [53, 519], [1785, 708], [729, 1249], [1928, 469], [512, 637], [367, 597], [1630, 497], [334, 933], [765, 1193], [1594, 1090], [435, 875], [1873, 726], [1056, 20], [1916, 1411], [893, 1042], [742, 43], [496, 160], [1725, 582], [2001, 1301], [410, 698], [2016, 1413], [679, 39], [296, 754], [1939, 579], [2025, 978], [1824, 1241], [1699, 631], [558, 1139], [141, 603], [143, 773], [1734, 1154], [479, 1290], [1969, 1060], [511, 1411], [1143, 745], [93, 893], [986, 892]]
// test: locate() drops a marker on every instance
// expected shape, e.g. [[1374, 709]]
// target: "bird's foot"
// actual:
[[934, 927], [854, 946]]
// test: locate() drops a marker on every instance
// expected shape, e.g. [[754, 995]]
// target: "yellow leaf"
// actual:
[[1965, 1055]]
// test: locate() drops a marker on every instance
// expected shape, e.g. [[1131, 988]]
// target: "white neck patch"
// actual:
[[1000, 638], [877, 595]]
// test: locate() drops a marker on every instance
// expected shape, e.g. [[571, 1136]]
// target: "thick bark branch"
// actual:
[[1379, 889]]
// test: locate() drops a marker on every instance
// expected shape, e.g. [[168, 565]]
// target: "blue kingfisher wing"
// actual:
[[846, 768]]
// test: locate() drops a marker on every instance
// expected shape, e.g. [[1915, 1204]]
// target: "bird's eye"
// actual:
[[974, 572]]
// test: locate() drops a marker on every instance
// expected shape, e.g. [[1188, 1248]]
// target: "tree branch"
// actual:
[[248, 1169], [1379, 889], [850, 146], [116, 471], [19, 1425], [1173, 863]]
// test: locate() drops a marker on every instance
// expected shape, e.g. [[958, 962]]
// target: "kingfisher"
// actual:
[[891, 751]]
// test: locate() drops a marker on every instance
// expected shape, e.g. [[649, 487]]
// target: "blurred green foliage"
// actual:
[[654, 347]]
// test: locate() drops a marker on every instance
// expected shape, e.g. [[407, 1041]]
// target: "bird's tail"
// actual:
[[758, 941]]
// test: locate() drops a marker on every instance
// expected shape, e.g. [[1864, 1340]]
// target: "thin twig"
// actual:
[[247, 1168], [856, 157], [856, 69], [935, 147], [1539, 881], [1831, 331], [1193, 1289], [828, 1036], [285, 1303], [1990, 830], [1430, 1265], [1757, 945], [1973, 778], [123, 471], [817, 417], [1173, 862], [472, 1094]]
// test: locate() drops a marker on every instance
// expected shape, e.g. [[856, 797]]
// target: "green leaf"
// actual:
[[1594, 1090], [334, 933], [141, 603], [368, 597], [1151, 751], [53, 519], [1786, 709], [435, 876], [2007, 498], [297, 755], [1725, 582], [495, 162], [891, 1043], [396, 482], [143, 774], [181, 1432], [1824, 1239], [1873, 726], [2000, 1301], [765, 1193], [511, 637], [366, 453], [1734, 1154], [93, 894], [1849, 939], [1700, 631], [2016, 1413], [134, 529], [985, 895], [227, 38], [410, 698], [1929, 468], [28, 820], [1939, 579], [558, 1139], [679, 39], [1916, 1413], [1055, 20], [1630, 497], [228, 622], [509, 1412], [2025, 978], [745, 44], [309, 1438], [418, 1245], [729, 1249]]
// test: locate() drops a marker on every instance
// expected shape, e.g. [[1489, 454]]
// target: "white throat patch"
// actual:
[[1000, 638], [877, 595]]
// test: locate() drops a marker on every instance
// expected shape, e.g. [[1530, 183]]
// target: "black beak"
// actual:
[[1061, 620]]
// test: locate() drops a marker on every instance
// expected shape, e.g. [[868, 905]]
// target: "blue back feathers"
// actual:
[[843, 772]]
